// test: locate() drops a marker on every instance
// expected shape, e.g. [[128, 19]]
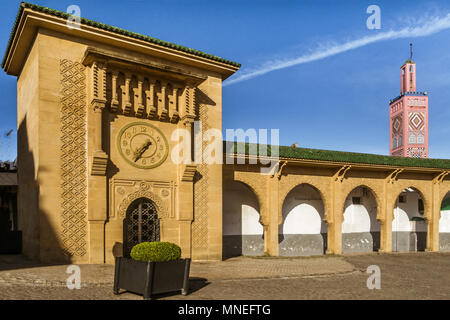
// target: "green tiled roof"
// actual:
[[99, 25], [446, 204], [350, 157]]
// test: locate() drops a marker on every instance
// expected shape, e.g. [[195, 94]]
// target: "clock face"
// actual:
[[142, 145]]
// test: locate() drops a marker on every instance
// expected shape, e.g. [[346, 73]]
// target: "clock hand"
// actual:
[[139, 152]]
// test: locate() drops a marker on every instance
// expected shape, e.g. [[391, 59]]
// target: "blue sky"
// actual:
[[338, 103]]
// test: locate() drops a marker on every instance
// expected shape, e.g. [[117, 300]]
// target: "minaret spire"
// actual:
[[411, 51]]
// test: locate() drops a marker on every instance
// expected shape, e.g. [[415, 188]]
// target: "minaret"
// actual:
[[408, 116]]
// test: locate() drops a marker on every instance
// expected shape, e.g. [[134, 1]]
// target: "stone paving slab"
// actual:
[[17, 270], [419, 276], [260, 268]]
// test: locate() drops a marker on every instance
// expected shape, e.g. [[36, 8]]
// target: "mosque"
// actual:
[[97, 108]]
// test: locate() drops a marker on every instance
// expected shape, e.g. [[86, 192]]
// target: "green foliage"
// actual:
[[445, 204], [156, 251]]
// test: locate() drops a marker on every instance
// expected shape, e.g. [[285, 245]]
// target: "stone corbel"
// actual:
[[393, 176], [150, 98], [114, 99], [173, 105], [163, 113], [190, 99], [186, 193], [98, 104], [187, 121], [440, 177], [188, 172], [99, 157], [126, 100], [99, 163], [280, 170], [340, 175], [139, 107]]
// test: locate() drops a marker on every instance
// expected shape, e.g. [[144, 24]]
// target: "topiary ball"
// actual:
[[156, 251]]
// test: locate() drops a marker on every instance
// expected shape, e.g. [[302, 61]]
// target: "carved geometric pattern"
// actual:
[[200, 223], [143, 192], [416, 120], [397, 124], [398, 153], [416, 152], [73, 158]]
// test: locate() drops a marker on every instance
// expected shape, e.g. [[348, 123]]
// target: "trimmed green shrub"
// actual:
[[156, 251]]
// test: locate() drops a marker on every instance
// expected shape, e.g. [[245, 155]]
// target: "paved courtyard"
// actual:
[[403, 276]]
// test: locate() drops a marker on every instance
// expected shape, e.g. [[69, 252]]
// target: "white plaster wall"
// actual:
[[250, 221], [303, 212], [401, 220], [304, 218], [444, 221], [403, 212], [360, 217], [240, 211]]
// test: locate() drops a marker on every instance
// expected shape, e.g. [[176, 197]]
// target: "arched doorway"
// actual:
[[242, 232], [444, 224], [141, 224], [360, 228], [409, 227], [303, 231]]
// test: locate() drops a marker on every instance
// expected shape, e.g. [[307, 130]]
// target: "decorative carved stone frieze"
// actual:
[[73, 158], [142, 193], [133, 90], [125, 191]]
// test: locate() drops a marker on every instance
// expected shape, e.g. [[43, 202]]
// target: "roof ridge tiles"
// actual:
[[92, 23]]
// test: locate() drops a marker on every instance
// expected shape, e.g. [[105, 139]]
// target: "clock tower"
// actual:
[[408, 116]]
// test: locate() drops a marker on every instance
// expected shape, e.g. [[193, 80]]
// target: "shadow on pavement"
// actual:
[[195, 284], [17, 261]]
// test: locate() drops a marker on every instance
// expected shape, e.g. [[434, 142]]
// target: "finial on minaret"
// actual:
[[411, 52]]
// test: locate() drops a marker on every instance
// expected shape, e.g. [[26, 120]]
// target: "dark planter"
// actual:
[[150, 278], [11, 242]]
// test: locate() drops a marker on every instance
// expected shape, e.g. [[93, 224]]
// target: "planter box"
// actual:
[[11, 242], [150, 278]]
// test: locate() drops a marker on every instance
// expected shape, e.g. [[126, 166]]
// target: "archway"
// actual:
[[243, 234], [444, 224], [360, 228], [409, 228], [141, 224], [303, 231]]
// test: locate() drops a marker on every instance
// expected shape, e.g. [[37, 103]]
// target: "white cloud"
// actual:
[[433, 25]]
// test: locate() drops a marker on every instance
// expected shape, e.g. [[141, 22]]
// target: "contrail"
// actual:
[[434, 25]]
